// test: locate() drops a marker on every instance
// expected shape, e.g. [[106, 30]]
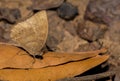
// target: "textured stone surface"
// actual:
[[62, 35], [70, 43], [89, 47], [45, 4], [111, 41], [103, 11], [15, 9], [91, 31], [56, 32], [67, 11], [10, 15]]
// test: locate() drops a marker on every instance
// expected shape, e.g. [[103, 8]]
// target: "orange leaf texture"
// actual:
[[53, 66], [52, 73], [13, 57], [53, 58]]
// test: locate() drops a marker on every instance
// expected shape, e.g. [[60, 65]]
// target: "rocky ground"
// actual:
[[74, 25]]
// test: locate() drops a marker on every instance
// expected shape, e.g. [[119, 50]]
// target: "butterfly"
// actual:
[[32, 33]]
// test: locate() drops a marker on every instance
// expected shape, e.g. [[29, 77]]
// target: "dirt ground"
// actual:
[[74, 25]]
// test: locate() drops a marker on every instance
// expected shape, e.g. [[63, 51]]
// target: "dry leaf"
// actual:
[[52, 73], [31, 34], [57, 65], [14, 57], [54, 58]]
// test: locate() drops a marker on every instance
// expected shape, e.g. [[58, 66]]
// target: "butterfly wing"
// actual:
[[31, 34]]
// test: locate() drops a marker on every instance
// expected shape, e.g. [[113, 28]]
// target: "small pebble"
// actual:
[[67, 11]]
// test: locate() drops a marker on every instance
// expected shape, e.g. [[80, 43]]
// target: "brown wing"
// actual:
[[32, 33]]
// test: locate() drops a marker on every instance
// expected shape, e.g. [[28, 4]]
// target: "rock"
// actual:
[[15, 9], [45, 4], [112, 35], [71, 27], [117, 76], [103, 11], [89, 47], [91, 31], [4, 31], [62, 35], [1, 31], [111, 41], [56, 32], [10, 15], [70, 43], [114, 32], [81, 6], [67, 11]]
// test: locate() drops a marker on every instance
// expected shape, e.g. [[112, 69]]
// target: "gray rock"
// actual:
[[45, 4], [67, 11], [91, 31]]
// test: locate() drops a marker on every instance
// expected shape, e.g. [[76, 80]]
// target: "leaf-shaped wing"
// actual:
[[31, 34]]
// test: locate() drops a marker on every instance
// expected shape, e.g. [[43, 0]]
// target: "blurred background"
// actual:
[[74, 25]]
